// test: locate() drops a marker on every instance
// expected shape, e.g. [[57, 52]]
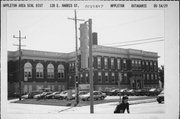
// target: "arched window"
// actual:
[[50, 71], [27, 71], [60, 71], [39, 70]]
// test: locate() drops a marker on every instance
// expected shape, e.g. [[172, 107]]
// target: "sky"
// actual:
[[51, 30]]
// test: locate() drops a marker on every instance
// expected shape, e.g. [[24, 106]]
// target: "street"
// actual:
[[107, 108]]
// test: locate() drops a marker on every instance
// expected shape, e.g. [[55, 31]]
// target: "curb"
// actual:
[[141, 101]]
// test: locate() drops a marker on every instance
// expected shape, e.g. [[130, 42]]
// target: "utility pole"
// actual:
[[119, 85], [20, 53], [90, 67], [76, 61]]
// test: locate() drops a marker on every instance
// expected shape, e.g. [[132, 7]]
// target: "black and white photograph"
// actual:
[[66, 61]]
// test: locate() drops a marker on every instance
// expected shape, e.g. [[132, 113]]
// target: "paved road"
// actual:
[[14, 108]]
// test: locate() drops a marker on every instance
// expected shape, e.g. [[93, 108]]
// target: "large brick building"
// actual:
[[39, 69]]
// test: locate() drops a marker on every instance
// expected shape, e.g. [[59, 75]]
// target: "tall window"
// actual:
[[81, 78], [155, 66], [106, 77], [132, 62], [125, 77], [147, 76], [105, 62], [152, 76], [124, 64], [87, 79], [120, 76], [27, 71], [112, 63], [99, 77], [99, 62], [156, 77], [50, 71], [118, 63], [139, 64], [39, 70], [60, 71], [113, 77], [73, 66]]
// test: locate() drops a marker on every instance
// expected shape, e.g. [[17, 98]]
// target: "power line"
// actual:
[[138, 43], [147, 39]]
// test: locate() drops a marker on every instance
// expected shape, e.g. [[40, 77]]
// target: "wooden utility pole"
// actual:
[[76, 61], [20, 53]]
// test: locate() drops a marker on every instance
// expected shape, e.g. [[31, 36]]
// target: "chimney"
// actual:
[[94, 37]]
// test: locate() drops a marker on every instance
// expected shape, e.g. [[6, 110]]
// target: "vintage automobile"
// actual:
[[153, 92], [31, 94], [160, 97], [52, 95], [97, 95], [80, 93], [114, 92], [61, 96], [42, 95]]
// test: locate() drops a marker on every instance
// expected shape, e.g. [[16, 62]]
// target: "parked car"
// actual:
[[62, 95], [31, 94], [42, 95], [160, 97], [130, 92], [123, 91], [114, 92], [107, 91], [97, 95], [141, 92], [52, 95], [153, 92], [80, 93]]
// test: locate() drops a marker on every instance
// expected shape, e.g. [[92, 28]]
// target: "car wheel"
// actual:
[[102, 98]]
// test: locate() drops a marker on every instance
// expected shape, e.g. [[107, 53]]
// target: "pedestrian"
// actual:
[[120, 108]]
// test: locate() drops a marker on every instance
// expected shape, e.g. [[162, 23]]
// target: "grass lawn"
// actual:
[[56, 102]]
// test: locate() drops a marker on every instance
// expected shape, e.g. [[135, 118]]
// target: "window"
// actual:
[[125, 77], [139, 64], [27, 71], [39, 70], [119, 77], [144, 76], [124, 63], [87, 79], [99, 77], [105, 62], [112, 63], [118, 63], [60, 71], [99, 62], [132, 62], [155, 66], [81, 78], [156, 77], [73, 66], [152, 76], [106, 77], [113, 77], [50, 71], [147, 76]]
